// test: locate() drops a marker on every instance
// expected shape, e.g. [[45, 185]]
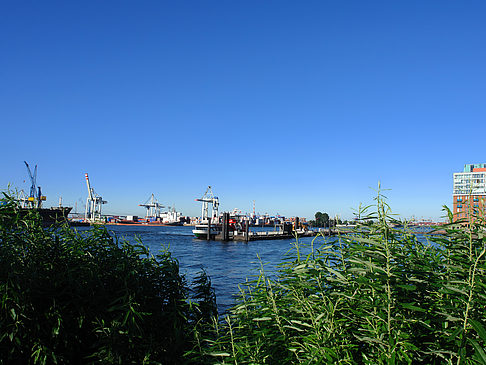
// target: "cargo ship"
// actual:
[[154, 216], [33, 203], [48, 216]]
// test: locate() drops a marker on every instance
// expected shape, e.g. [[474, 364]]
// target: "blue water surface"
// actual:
[[226, 263]]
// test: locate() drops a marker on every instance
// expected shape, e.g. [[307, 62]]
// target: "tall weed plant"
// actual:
[[376, 295], [72, 298]]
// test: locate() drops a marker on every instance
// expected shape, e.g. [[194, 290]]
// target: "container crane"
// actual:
[[35, 197], [24, 200], [152, 206], [208, 198], [93, 204]]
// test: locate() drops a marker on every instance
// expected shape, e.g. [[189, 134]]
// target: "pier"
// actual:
[[270, 235]]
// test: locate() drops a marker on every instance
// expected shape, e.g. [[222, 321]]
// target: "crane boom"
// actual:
[[33, 178], [93, 204], [90, 193], [35, 198], [152, 206], [207, 198]]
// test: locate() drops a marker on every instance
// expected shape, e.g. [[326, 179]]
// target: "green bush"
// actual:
[[70, 297], [377, 295], [374, 296]]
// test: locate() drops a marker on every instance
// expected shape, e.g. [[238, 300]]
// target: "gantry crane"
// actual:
[[152, 206], [23, 199], [207, 198], [93, 204], [35, 198]]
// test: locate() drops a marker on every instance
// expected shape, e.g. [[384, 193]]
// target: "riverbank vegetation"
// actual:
[[378, 295], [72, 298]]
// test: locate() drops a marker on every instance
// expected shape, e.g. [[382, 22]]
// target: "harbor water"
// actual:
[[226, 263]]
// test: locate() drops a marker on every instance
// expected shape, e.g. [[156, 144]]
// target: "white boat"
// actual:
[[201, 231]]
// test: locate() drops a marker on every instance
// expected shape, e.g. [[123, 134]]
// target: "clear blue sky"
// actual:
[[300, 106]]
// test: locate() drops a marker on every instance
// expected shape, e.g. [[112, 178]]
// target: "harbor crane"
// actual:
[[208, 198], [35, 198], [152, 206], [93, 204], [24, 200]]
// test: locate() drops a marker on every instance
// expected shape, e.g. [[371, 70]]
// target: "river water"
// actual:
[[226, 263]]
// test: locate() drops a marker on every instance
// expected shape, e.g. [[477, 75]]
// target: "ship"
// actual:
[[155, 216], [48, 216], [201, 231], [170, 218], [33, 203]]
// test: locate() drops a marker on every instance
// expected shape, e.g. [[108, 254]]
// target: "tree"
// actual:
[[318, 217], [322, 219]]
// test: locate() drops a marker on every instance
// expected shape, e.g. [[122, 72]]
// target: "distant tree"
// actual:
[[322, 219], [325, 219], [318, 217]]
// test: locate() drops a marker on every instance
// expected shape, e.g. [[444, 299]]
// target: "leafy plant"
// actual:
[[377, 295], [71, 297]]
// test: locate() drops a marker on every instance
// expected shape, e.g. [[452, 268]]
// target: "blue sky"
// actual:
[[300, 106]]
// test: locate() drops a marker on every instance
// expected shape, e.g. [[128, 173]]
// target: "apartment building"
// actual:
[[469, 192]]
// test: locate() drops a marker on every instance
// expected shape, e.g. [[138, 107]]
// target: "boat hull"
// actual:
[[49, 215], [201, 231]]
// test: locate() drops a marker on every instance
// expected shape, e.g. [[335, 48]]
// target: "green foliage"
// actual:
[[70, 297], [375, 296], [322, 220]]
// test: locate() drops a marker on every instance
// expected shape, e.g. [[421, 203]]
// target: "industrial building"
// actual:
[[469, 192]]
